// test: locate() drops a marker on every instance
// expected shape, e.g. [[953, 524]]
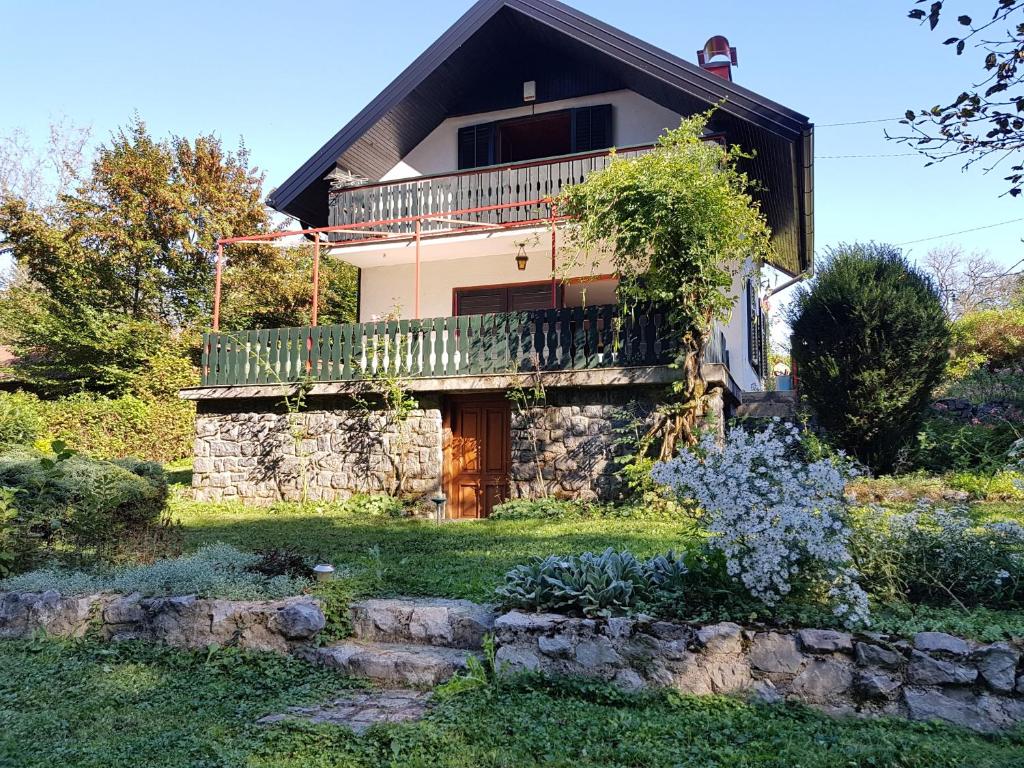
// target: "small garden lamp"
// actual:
[[324, 572], [439, 500], [522, 258]]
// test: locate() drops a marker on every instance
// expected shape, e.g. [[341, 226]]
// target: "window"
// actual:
[[757, 332], [584, 129], [504, 298]]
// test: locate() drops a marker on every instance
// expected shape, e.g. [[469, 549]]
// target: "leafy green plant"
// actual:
[[479, 673], [870, 340], [372, 505], [216, 570], [648, 508], [335, 596], [1006, 485], [944, 445], [937, 556], [606, 584], [678, 222], [20, 420]]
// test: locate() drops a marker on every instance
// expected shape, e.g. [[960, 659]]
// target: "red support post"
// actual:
[[316, 280], [216, 286], [416, 289], [554, 250]]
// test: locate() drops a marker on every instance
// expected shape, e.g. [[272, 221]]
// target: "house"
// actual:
[[440, 192]]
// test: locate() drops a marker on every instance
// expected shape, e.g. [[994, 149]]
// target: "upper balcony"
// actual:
[[498, 195]]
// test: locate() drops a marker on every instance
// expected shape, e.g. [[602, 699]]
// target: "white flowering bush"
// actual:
[[940, 556], [778, 520]]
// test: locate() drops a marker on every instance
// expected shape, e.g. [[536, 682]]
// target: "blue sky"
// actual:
[[287, 76]]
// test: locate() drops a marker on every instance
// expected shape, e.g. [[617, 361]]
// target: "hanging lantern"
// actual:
[[522, 258]]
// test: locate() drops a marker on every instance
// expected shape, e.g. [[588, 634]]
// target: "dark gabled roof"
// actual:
[[479, 65]]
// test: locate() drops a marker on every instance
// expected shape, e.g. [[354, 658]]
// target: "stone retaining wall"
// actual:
[[187, 622], [933, 677], [937, 676], [574, 433]]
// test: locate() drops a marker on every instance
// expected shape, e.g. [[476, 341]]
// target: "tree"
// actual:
[[39, 176], [273, 289], [137, 236], [870, 342], [677, 222], [968, 284], [66, 348], [986, 120]]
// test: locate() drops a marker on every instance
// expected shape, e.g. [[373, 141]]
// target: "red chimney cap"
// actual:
[[716, 46]]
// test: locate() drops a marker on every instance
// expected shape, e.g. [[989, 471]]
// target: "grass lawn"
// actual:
[[414, 557], [92, 706]]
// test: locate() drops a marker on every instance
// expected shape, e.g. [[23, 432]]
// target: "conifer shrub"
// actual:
[[871, 342]]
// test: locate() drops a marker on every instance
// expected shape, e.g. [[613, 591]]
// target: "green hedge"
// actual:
[[156, 429], [68, 503]]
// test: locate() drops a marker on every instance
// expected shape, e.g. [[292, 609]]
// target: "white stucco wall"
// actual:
[[736, 334], [635, 120], [384, 288]]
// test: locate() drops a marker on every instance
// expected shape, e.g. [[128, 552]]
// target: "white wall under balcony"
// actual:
[[388, 276], [636, 120]]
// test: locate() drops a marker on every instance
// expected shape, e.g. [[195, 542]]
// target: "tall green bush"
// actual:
[[871, 341], [153, 428], [66, 503]]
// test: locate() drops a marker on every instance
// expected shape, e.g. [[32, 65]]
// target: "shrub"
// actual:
[[870, 341], [20, 420], [608, 584], [217, 570], [779, 521], [74, 502], [979, 385], [650, 508], [991, 337], [932, 556], [159, 430], [943, 444]]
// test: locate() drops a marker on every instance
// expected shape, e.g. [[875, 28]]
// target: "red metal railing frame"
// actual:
[[417, 236]]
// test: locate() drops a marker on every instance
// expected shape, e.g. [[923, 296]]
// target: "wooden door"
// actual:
[[478, 455]]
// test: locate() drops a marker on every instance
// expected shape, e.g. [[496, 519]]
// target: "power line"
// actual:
[[891, 154], [962, 232], [859, 122]]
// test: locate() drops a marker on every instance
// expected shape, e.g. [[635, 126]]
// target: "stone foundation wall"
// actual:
[[936, 676], [255, 451], [570, 440], [334, 449]]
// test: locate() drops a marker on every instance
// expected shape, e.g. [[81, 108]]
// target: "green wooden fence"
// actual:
[[547, 340]]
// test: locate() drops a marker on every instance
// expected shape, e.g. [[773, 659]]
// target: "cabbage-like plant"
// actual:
[[594, 585]]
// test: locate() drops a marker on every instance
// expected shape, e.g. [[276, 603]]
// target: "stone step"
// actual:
[[422, 621], [767, 405], [394, 664]]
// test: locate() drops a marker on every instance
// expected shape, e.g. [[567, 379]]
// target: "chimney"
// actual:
[[718, 57]]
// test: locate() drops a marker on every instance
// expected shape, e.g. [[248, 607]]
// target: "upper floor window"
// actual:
[[583, 129]]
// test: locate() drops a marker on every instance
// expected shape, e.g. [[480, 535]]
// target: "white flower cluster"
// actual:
[[773, 516]]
